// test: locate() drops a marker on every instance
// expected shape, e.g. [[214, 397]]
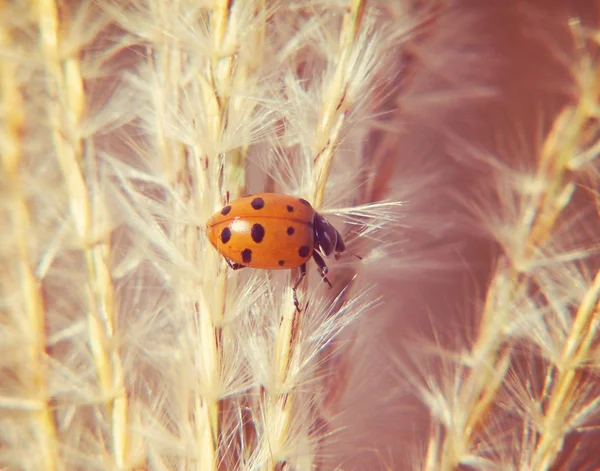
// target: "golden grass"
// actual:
[[126, 342]]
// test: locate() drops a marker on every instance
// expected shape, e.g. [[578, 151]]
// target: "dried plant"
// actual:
[[126, 341], [520, 390]]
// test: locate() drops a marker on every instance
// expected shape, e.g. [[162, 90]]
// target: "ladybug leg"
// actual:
[[234, 266], [295, 287], [322, 266]]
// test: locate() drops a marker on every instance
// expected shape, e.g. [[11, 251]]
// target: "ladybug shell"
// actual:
[[267, 230]]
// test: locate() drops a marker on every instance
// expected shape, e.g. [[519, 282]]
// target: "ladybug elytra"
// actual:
[[273, 231]]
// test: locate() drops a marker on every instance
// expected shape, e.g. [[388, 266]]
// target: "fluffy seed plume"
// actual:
[[517, 389], [127, 342]]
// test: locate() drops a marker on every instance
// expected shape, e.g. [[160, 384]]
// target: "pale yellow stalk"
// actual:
[[216, 172], [336, 103], [66, 112], [18, 275], [490, 356], [279, 403], [165, 60], [231, 68], [564, 389]]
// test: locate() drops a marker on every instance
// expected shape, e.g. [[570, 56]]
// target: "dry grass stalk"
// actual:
[[129, 343], [541, 309], [22, 315]]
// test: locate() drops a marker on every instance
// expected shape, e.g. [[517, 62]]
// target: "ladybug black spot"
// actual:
[[304, 202], [257, 203], [258, 233], [290, 230], [303, 251], [225, 235], [290, 208], [247, 255], [281, 263], [225, 211]]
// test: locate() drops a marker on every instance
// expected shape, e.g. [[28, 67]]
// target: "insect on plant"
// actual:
[[274, 232]]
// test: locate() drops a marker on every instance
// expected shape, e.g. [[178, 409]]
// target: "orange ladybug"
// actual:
[[273, 231]]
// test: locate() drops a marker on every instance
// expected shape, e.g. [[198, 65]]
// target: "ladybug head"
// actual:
[[326, 237]]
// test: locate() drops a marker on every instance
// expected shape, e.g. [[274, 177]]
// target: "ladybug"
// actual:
[[273, 231]]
